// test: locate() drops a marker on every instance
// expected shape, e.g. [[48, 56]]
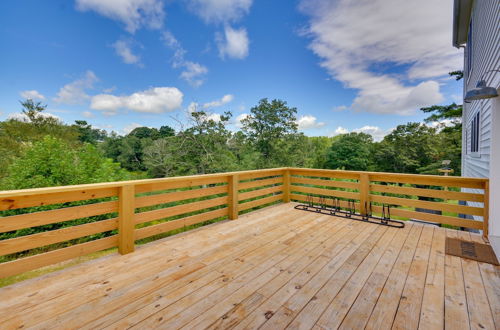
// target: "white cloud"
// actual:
[[340, 130], [376, 132], [340, 108], [123, 49], [74, 92], [133, 13], [87, 114], [353, 38], [153, 100], [239, 118], [130, 127], [19, 116], [193, 73], [308, 121], [219, 11], [217, 103], [32, 94], [234, 43]]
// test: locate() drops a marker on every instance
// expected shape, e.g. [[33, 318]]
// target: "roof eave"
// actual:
[[461, 17]]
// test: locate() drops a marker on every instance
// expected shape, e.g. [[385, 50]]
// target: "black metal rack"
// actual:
[[350, 211]]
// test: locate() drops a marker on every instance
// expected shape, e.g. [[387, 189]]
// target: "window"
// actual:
[[474, 134]]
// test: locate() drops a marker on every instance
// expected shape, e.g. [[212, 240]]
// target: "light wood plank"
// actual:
[[435, 193], [179, 209], [259, 202], [35, 219], [33, 262], [24, 243], [361, 310], [386, 307], [432, 314], [326, 183], [260, 183], [174, 196]]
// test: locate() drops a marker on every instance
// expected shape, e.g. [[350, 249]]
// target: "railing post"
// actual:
[[486, 210], [286, 186], [233, 196], [126, 211], [364, 192]]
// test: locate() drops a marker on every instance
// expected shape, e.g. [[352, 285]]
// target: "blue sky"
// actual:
[[346, 65]]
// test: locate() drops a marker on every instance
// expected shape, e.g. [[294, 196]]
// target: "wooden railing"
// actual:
[[55, 224]]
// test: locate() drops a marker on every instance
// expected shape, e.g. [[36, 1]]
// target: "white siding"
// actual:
[[485, 57]]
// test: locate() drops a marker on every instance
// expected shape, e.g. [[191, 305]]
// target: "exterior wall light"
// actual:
[[481, 91]]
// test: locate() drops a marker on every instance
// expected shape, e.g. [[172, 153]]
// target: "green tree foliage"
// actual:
[[268, 127], [350, 152], [53, 162], [33, 125], [87, 134], [406, 149]]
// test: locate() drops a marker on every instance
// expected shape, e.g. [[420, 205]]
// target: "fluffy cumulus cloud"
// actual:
[[217, 11], [376, 132], [130, 127], [154, 100], [24, 118], [75, 92], [123, 48], [32, 94], [411, 36], [193, 73], [220, 102], [234, 43], [87, 114], [133, 13], [239, 118], [308, 122]]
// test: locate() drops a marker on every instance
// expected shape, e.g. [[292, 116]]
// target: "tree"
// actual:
[[351, 152], [18, 133], [438, 113], [54, 162], [267, 124], [406, 149], [87, 134]]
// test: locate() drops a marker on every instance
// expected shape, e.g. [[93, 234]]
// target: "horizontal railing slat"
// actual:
[[328, 183], [427, 205], [144, 201], [22, 265], [35, 219], [179, 209], [434, 193], [325, 192], [179, 223], [259, 202], [18, 202], [259, 192], [454, 221], [24, 243], [259, 183]]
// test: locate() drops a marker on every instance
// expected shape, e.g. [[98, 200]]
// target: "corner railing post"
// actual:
[[286, 186], [486, 210], [126, 226], [364, 193], [233, 196]]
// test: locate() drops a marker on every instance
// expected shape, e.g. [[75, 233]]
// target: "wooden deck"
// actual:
[[271, 269]]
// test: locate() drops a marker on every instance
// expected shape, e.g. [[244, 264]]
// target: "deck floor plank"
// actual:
[[271, 269]]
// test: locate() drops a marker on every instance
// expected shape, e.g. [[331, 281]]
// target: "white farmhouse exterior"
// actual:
[[476, 28]]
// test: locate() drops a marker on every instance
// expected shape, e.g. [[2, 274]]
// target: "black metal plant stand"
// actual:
[[350, 211]]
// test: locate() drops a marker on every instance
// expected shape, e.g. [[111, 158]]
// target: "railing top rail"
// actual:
[[116, 184], [397, 175]]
